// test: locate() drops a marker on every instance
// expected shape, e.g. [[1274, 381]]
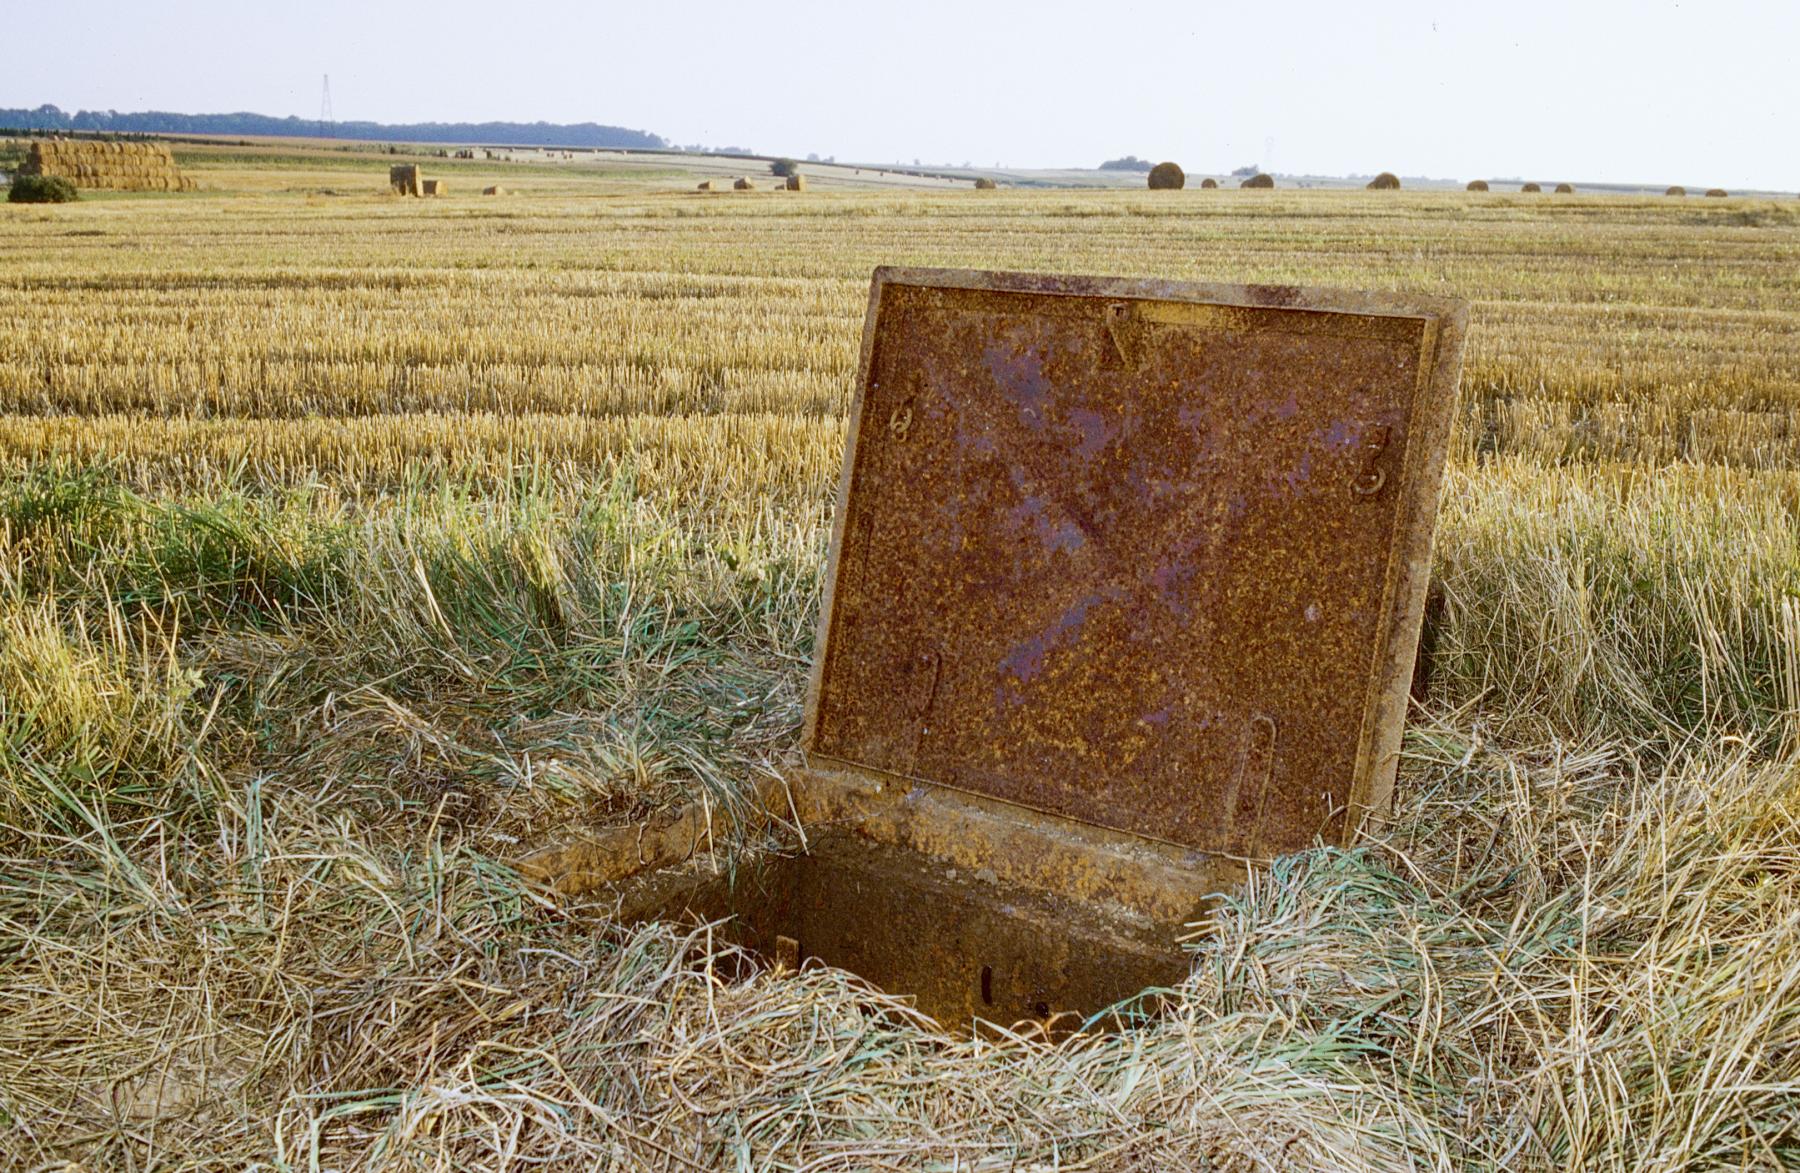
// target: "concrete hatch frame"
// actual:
[[1124, 594]]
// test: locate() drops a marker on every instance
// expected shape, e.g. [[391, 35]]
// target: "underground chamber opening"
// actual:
[[959, 945]]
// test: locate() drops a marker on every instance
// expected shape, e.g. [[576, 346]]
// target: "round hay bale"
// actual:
[[1478, 185], [1209, 183], [1717, 193], [985, 184], [742, 183], [1167, 177], [796, 182], [1565, 189], [1676, 190], [1531, 188], [706, 185], [1259, 180], [495, 190], [1386, 181]]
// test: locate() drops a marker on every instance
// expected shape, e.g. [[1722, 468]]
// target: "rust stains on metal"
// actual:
[[1143, 555], [1017, 849]]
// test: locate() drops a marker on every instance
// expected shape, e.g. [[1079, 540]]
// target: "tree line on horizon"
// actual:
[[51, 119]]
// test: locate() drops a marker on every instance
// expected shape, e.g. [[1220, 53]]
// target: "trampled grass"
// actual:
[[347, 545]]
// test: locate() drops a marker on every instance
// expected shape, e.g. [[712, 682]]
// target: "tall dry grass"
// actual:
[[1557, 963]]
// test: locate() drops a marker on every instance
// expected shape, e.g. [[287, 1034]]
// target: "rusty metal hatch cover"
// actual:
[[1142, 554]]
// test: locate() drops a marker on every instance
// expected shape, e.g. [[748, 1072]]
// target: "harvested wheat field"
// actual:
[[350, 549]]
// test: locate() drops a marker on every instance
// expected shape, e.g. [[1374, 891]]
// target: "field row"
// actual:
[[1603, 329], [508, 343], [746, 456]]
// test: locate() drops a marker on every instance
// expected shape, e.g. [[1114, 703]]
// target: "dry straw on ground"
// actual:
[[321, 961], [1167, 177], [114, 166], [302, 641]]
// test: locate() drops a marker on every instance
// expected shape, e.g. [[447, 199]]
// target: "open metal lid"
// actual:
[[1143, 554]]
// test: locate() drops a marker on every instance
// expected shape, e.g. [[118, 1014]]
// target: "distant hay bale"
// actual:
[[796, 182], [1386, 181], [1167, 177], [1717, 193], [985, 184], [1565, 189], [1676, 190], [1531, 188], [404, 179], [742, 183], [1478, 185], [117, 166], [1259, 180], [706, 185], [435, 188], [495, 190], [1209, 183]]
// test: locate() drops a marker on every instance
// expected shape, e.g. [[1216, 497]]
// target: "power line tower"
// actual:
[[327, 124]]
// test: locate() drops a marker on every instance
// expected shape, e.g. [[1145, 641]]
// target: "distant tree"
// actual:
[[1245, 171], [40, 189], [784, 167], [1127, 163]]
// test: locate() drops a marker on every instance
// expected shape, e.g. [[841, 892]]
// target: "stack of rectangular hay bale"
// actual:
[[117, 166]]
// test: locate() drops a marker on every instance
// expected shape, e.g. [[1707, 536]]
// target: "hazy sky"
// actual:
[[1695, 93]]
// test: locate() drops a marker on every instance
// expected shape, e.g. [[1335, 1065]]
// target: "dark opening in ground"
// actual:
[[962, 946]]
